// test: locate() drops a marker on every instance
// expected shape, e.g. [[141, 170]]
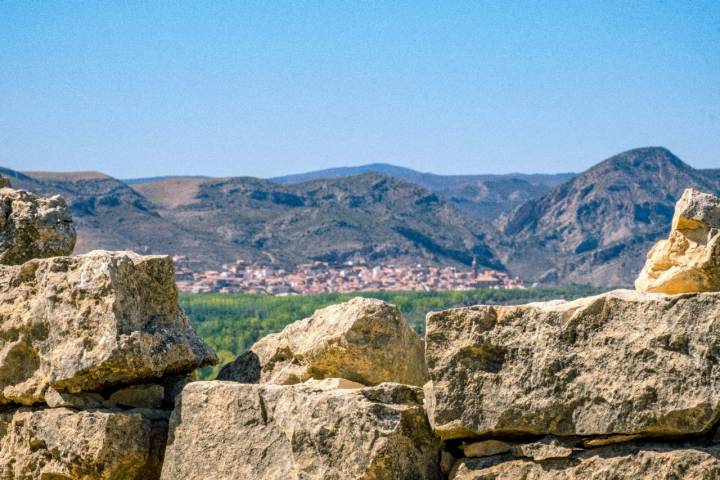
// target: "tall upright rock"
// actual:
[[33, 227], [689, 260]]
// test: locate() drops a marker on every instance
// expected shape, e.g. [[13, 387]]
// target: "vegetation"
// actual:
[[231, 323]]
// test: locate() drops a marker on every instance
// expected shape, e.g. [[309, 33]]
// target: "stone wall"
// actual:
[[93, 350], [96, 362]]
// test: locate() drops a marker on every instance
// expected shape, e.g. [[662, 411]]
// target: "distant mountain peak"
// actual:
[[638, 157], [607, 215]]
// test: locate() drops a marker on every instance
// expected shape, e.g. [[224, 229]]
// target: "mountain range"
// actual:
[[592, 227], [369, 216], [483, 196]]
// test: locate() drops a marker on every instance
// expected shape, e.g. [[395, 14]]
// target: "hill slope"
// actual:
[[107, 213], [597, 227], [371, 216], [215, 221], [140, 181]]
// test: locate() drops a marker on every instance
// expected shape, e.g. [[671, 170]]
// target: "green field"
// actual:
[[231, 323]]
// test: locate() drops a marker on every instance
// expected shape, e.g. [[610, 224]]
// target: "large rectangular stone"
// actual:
[[65, 444], [326, 430], [619, 363], [617, 462], [90, 322]]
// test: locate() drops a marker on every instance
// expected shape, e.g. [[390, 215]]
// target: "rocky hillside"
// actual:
[[96, 359], [481, 196], [214, 221], [107, 213], [369, 216], [597, 227]]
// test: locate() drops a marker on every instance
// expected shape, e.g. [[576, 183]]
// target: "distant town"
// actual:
[[320, 277]]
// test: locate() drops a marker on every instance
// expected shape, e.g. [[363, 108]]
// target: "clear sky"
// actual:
[[267, 88]]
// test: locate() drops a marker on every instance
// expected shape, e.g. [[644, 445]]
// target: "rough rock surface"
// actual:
[[228, 430], [485, 448], [64, 444], [90, 322], [617, 462], [78, 401], [33, 227], [544, 449], [363, 340], [138, 396], [154, 396], [620, 363], [609, 440], [689, 260]]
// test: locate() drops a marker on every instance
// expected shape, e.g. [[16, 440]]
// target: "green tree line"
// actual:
[[231, 323]]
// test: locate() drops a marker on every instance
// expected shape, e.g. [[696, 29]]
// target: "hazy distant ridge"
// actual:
[[484, 196]]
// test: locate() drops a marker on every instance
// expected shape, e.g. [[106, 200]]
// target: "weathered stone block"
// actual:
[[363, 340], [59, 444], [33, 227], [617, 462], [620, 363], [91, 322], [306, 431]]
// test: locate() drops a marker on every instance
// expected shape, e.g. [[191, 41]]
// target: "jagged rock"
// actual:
[[90, 322], [620, 363], [485, 448], [33, 227], [59, 444], [689, 260], [305, 431], [617, 462], [363, 340], [545, 449]]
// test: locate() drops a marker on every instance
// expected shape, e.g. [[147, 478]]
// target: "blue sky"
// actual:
[[267, 88]]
